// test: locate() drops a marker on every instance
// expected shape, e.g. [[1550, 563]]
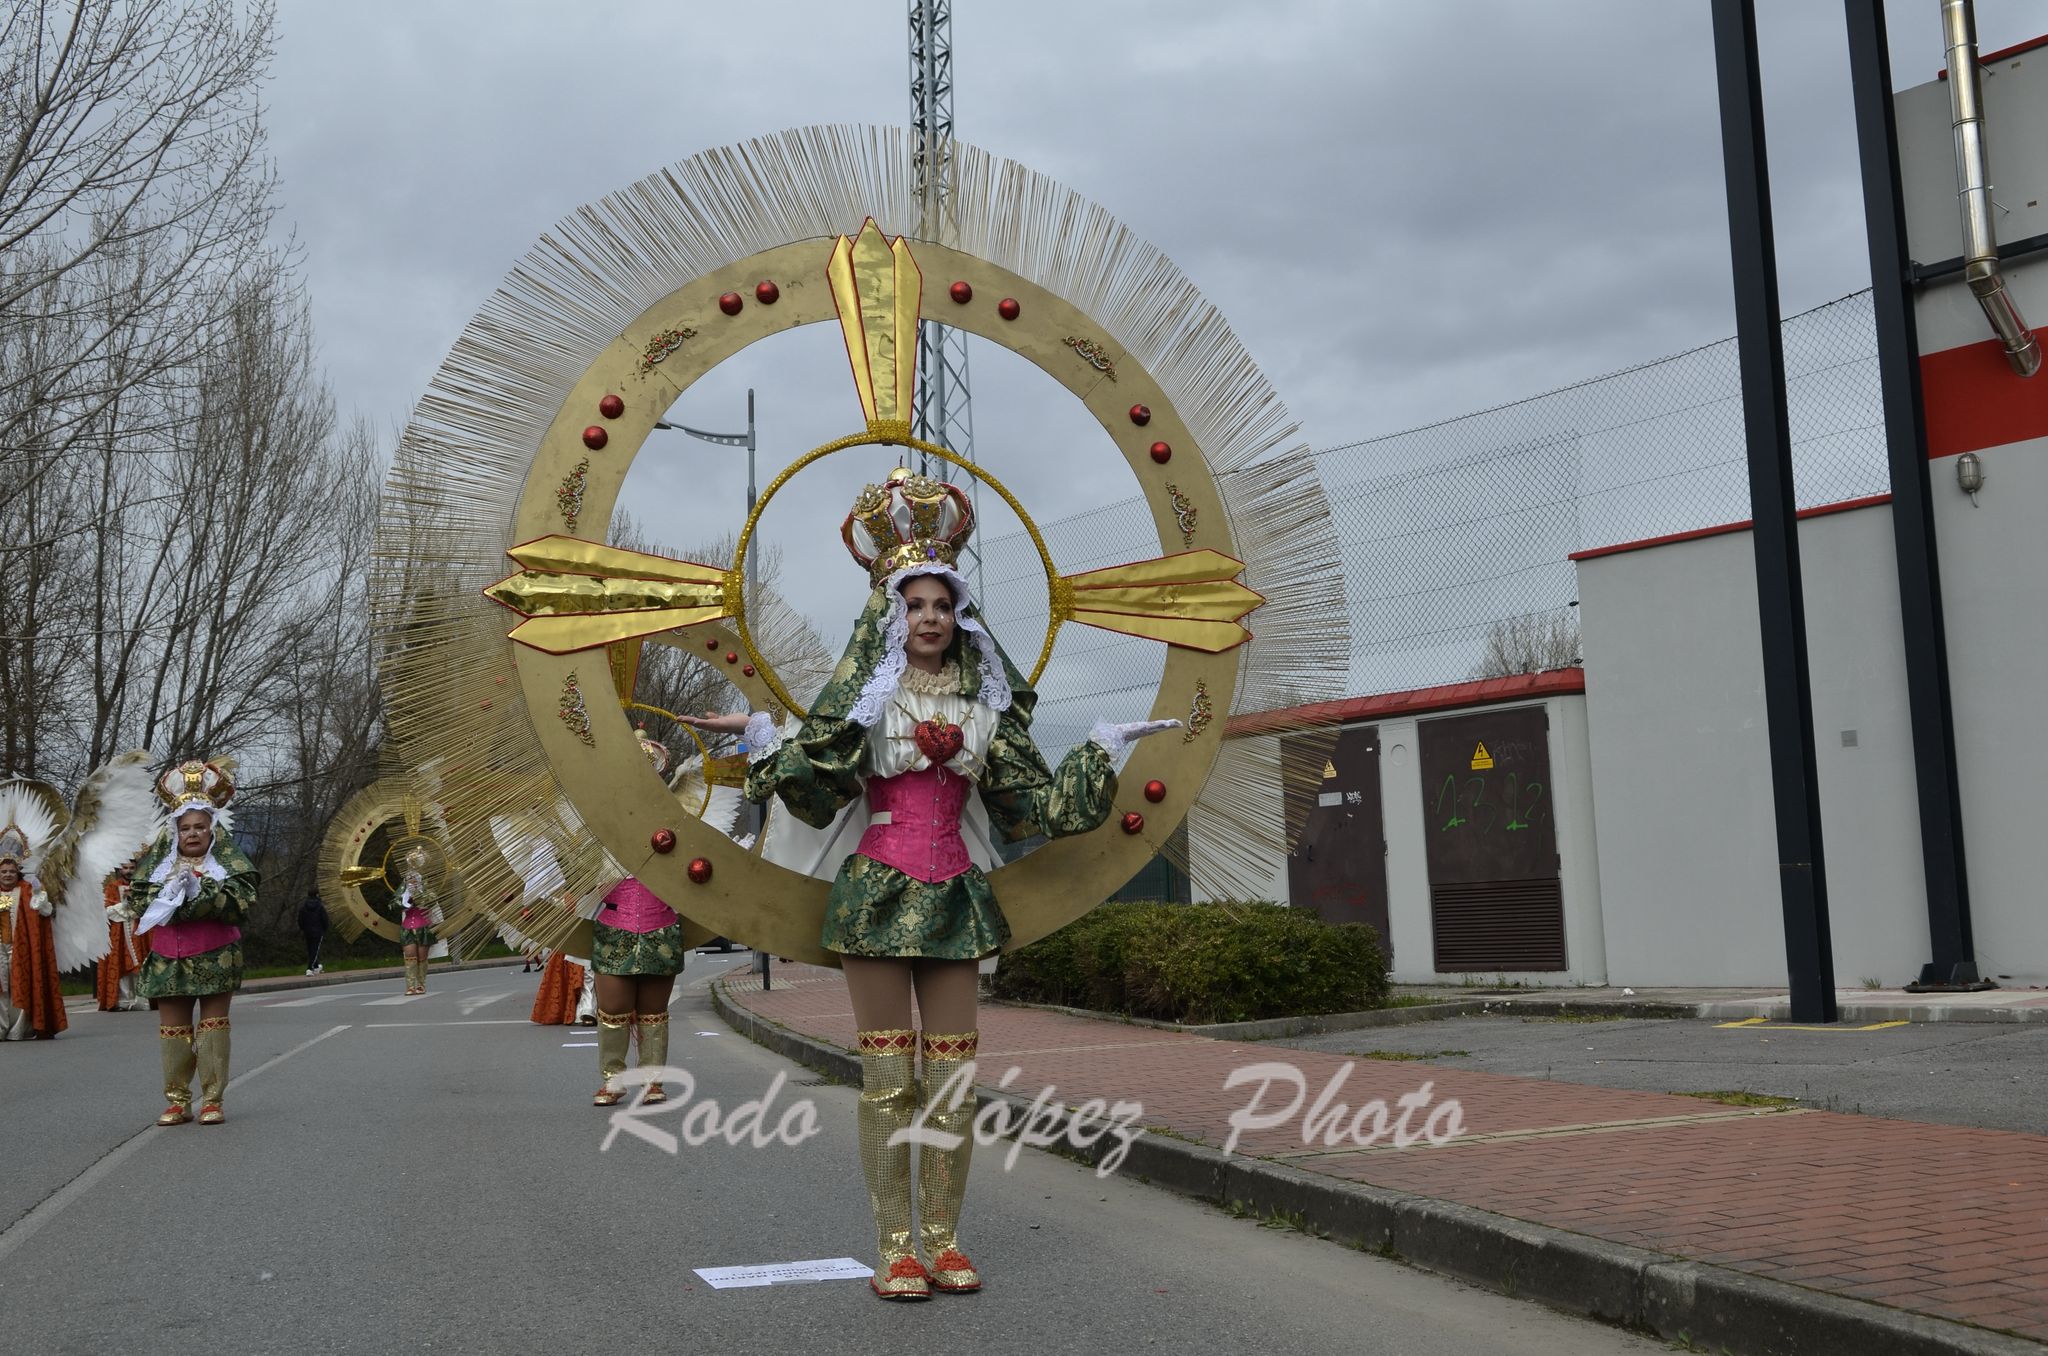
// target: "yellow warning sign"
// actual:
[[1329, 769], [1481, 759]]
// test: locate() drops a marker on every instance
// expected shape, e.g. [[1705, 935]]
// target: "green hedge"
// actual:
[[1224, 961]]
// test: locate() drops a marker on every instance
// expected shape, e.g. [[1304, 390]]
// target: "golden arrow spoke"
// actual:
[[1210, 637], [573, 555], [1192, 600], [531, 593], [361, 875], [567, 635]]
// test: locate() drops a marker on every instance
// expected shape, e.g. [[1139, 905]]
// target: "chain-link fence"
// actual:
[[1457, 535]]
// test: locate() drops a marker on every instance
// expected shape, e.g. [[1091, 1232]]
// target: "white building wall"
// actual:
[[1994, 585], [1681, 760]]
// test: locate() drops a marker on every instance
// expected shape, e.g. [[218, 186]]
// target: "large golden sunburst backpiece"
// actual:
[[501, 605], [363, 855]]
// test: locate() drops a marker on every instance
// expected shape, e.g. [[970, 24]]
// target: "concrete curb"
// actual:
[[1714, 1307], [1855, 1014], [1275, 1028]]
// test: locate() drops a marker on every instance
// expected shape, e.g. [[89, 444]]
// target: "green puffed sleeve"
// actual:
[[1025, 797], [815, 772]]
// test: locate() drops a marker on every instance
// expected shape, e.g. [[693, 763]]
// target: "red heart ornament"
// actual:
[[938, 740]]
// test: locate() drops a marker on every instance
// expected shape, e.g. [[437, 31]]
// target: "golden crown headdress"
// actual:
[[195, 784], [908, 519]]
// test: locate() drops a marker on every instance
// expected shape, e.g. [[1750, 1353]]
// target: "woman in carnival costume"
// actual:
[[636, 952], [51, 858], [121, 968], [923, 731], [193, 890], [416, 920]]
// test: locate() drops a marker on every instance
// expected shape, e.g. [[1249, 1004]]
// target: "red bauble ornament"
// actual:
[[730, 303], [1162, 453], [1008, 308], [700, 871], [1155, 791], [1133, 822], [732, 657], [767, 293], [711, 644], [612, 406], [595, 437], [662, 840], [748, 670], [1141, 415], [962, 292]]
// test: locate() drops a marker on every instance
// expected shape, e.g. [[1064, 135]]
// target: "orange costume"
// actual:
[[561, 992], [123, 961], [32, 986]]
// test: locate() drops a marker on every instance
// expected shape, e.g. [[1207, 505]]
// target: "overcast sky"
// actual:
[[1407, 211]]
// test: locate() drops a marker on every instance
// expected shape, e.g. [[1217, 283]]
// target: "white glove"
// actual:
[[114, 913], [42, 904], [1113, 739]]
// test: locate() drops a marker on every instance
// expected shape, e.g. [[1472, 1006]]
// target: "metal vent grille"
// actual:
[[1498, 925]]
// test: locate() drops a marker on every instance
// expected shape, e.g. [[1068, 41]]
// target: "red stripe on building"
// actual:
[[1723, 529], [1394, 705], [1975, 400]]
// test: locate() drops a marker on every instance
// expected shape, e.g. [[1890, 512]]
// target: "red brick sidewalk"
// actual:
[[1939, 1220]]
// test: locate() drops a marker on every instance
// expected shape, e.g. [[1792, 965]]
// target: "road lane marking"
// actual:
[[58, 1201], [315, 1000], [453, 1021], [1766, 1024], [470, 1005]]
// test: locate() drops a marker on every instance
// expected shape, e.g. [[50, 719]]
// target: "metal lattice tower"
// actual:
[[944, 413]]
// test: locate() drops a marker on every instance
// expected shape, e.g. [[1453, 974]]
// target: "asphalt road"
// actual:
[[428, 1174], [1951, 1073]]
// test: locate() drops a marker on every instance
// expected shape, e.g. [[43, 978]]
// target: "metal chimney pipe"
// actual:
[[1973, 189]]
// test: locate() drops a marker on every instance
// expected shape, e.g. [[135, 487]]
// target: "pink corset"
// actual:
[[915, 824], [175, 941], [416, 917], [632, 907]]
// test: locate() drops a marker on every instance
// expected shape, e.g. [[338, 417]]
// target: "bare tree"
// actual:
[[1534, 643]]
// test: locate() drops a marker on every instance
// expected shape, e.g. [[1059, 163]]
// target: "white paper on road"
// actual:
[[785, 1273]]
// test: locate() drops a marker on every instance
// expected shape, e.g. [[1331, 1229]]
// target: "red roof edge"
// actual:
[[1817, 511], [1387, 705], [1986, 58]]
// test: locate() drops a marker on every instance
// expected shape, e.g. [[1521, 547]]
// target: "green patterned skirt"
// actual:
[[209, 972], [876, 910], [415, 936], [615, 951]]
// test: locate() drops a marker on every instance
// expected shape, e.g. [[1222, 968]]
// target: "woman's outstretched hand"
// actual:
[[731, 723]]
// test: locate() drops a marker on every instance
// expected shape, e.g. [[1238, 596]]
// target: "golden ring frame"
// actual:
[[388, 806], [610, 782]]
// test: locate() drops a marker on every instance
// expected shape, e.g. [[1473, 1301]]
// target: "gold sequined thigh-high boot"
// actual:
[[614, 1036], [654, 1050], [210, 1051], [175, 1043], [948, 1101], [888, 1099]]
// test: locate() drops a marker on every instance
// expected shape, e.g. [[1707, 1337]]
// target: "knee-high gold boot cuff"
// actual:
[[174, 1043], [888, 1099], [210, 1048], [949, 1104], [614, 1038]]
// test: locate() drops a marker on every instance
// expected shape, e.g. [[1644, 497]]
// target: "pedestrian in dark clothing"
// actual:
[[313, 927]]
